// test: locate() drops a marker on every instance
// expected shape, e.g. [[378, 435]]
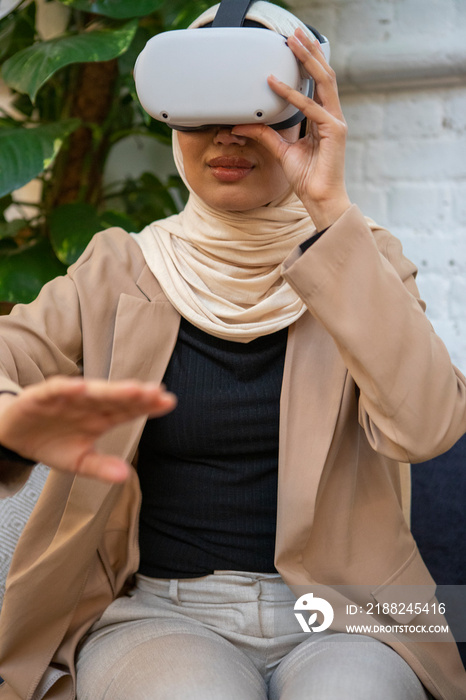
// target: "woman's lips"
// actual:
[[230, 168]]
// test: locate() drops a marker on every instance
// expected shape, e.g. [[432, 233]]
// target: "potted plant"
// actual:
[[72, 102]]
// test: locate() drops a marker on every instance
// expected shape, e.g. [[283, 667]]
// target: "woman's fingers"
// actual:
[[325, 111], [309, 53], [309, 107], [59, 421], [314, 164], [265, 135], [118, 400], [103, 467]]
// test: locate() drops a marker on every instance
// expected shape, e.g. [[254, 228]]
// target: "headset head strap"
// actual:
[[231, 13]]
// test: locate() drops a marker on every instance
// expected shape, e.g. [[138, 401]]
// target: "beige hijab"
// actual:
[[221, 269]]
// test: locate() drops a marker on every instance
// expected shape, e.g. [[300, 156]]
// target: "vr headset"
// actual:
[[217, 74]]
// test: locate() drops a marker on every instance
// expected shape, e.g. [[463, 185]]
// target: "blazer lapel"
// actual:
[[145, 335], [313, 383], [146, 329]]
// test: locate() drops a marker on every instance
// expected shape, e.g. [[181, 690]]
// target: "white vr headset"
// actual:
[[217, 74]]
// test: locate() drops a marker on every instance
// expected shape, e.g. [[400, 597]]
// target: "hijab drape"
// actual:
[[221, 269]]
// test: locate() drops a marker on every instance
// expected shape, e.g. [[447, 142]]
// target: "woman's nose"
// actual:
[[224, 136]]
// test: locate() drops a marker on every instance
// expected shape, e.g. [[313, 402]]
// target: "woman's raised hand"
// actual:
[[314, 164], [58, 421]]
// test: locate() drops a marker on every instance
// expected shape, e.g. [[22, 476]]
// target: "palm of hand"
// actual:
[[58, 421]]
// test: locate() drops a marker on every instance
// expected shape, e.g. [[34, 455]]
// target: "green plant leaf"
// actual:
[[73, 225], [29, 69], [6, 122], [23, 104], [9, 229], [7, 28], [146, 199], [71, 228], [116, 218], [25, 153], [178, 14], [117, 9], [17, 31], [128, 59], [5, 202], [24, 271]]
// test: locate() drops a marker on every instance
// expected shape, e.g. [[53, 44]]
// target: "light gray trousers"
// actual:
[[230, 636]]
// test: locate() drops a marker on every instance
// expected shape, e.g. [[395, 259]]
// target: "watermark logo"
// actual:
[[308, 603], [417, 612]]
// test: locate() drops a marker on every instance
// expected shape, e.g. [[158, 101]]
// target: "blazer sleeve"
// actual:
[[42, 338], [72, 318], [356, 281]]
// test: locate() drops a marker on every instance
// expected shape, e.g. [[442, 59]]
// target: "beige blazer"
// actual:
[[367, 384]]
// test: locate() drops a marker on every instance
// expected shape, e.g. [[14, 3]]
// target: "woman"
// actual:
[[232, 303]]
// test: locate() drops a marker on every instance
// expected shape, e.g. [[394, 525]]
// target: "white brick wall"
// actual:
[[402, 74]]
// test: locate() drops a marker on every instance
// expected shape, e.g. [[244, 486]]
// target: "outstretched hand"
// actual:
[[58, 421], [314, 165]]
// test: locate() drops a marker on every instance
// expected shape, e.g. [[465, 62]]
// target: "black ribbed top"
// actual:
[[208, 470]]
